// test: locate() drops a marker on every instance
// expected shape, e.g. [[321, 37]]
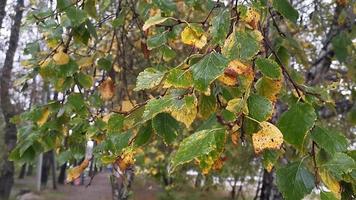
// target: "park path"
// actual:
[[100, 189]]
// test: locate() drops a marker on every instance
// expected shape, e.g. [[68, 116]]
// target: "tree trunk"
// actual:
[[269, 189], [53, 170], [46, 164], [62, 173], [121, 183], [267, 184], [322, 64], [6, 166], [29, 170], [2, 11], [22, 171]]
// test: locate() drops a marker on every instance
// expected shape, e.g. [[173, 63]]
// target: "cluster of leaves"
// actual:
[[226, 83]]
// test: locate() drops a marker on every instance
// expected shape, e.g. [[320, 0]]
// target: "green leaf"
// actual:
[[68, 69], [286, 9], [178, 78], [116, 122], [144, 134], [327, 196], [165, 5], [294, 181], [154, 20], [329, 140], [340, 43], [166, 127], [76, 16], [120, 141], [270, 157], [157, 40], [207, 105], [220, 25], [241, 45], [207, 70], [104, 64], [85, 80], [296, 122], [156, 106], [148, 79], [76, 101], [196, 145], [89, 7], [339, 165], [259, 107], [269, 68], [167, 52]]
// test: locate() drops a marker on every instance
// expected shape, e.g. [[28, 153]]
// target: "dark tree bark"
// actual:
[[7, 167], [62, 173], [2, 11], [46, 164], [267, 184], [53, 170], [22, 171], [29, 170]]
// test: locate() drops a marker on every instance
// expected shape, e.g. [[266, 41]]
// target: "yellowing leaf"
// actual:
[[126, 106], [269, 137], [252, 18], [45, 63], [61, 58], [85, 62], [187, 113], [44, 117], [234, 69], [235, 136], [107, 89], [26, 64], [237, 105], [268, 88], [52, 43], [193, 36], [154, 20], [330, 182], [126, 159], [75, 172]]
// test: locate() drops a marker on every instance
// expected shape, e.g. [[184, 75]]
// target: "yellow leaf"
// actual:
[[61, 58], [75, 172], [192, 36], [269, 137], [107, 89], [44, 117]]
